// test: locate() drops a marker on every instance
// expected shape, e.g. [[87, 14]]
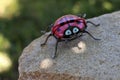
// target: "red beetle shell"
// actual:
[[64, 22]]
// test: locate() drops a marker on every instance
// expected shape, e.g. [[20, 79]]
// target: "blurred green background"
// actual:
[[22, 20]]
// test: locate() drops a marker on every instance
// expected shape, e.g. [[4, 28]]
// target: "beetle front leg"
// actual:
[[55, 53], [91, 35], [46, 40], [92, 23]]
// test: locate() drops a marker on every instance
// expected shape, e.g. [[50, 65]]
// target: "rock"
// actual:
[[94, 60]]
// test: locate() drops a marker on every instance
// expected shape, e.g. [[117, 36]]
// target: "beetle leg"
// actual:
[[93, 23], [46, 40], [91, 35], [55, 53]]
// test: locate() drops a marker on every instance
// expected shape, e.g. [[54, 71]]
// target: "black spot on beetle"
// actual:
[[58, 29], [78, 22], [61, 24], [72, 21]]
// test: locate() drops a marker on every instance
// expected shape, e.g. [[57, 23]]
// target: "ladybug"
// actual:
[[67, 28]]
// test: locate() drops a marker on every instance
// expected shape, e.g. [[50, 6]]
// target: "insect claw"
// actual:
[[97, 39], [42, 44], [97, 25], [53, 56]]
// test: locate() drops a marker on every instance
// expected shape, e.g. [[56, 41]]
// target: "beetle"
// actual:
[[67, 28]]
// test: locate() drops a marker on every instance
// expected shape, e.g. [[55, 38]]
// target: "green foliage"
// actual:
[[28, 17]]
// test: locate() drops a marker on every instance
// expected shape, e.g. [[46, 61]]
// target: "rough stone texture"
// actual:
[[96, 60]]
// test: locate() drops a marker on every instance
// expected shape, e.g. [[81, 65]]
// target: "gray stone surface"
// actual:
[[96, 60]]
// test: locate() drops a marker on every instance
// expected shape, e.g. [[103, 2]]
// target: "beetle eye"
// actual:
[[68, 32], [75, 30]]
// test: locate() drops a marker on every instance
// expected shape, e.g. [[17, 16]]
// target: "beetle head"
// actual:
[[71, 32]]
